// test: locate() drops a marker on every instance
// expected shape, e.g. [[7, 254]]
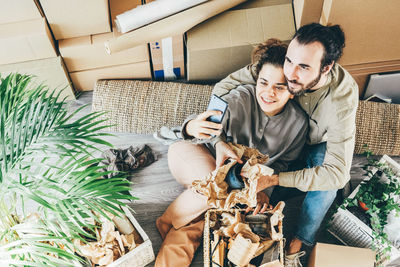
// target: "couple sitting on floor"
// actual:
[[294, 103]]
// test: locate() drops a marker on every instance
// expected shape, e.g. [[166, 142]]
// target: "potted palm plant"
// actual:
[[51, 186]]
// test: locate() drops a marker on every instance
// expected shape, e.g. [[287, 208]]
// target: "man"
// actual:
[[329, 95]]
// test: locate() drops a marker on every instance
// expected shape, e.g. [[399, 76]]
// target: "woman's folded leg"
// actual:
[[187, 162]]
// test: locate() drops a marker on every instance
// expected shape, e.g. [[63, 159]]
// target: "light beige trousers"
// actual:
[[183, 219]]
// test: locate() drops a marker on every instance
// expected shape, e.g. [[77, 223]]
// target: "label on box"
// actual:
[[167, 58]]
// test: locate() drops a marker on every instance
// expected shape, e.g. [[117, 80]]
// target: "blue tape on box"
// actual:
[[159, 74]]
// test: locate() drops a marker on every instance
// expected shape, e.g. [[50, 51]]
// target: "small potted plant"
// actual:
[[376, 198]]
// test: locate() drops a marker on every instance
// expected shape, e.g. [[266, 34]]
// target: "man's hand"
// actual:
[[267, 181], [203, 129], [262, 203], [224, 152], [264, 181]]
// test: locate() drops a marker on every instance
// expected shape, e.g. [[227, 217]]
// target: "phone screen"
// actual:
[[217, 103]]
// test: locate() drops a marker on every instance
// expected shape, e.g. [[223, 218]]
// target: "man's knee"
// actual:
[[317, 203]]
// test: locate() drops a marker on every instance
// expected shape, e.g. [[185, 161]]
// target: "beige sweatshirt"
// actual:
[[332, 112]]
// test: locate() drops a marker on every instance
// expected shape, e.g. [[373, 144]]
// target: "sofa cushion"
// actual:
[[144, 106], [378, 127]]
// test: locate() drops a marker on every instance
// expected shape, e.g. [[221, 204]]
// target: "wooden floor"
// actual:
[[156, 188]]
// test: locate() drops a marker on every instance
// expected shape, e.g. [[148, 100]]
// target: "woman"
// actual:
[[258, 116]]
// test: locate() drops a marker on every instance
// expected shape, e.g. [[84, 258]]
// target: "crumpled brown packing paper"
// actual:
[[216, 189], [243, 243], [242, 250], [113, 241]]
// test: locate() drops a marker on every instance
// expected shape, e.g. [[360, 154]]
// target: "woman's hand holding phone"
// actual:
[[208, 124], [201, 128]]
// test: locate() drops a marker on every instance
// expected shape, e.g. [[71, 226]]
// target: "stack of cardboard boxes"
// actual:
[[81, 29], [215, 47], [27, 46], [81, 36]]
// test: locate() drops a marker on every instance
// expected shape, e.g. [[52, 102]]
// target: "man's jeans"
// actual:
[[315, 204]]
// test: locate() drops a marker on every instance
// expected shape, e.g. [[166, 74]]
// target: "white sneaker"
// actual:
[[293, 260], [167, 135]]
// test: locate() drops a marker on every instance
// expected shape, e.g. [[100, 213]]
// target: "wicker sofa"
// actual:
[[144, 106]]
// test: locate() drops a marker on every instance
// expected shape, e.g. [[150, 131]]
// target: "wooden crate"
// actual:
[[141, 255]]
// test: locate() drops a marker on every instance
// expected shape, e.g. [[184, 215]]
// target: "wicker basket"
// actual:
[[140, 256], [207, 242]]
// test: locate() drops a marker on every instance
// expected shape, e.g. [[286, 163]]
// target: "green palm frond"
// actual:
[[46, 159], [37, 245]]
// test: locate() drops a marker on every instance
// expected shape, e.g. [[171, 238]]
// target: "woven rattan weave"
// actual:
[[144, 106], [378, 127]]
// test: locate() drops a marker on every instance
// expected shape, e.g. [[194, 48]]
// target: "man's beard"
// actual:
[[303, 89]]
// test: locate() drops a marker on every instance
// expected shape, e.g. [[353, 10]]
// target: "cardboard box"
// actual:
[[167, 58], [371, 29], [14, 11], [85, 80], [25, 40], [307, 11], [75, 18], [223, 44], [327, 255], [88, 52], [87, 60], [118, 7], [49, 71], [361, 72]]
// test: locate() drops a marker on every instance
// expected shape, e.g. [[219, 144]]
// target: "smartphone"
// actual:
[[217, 103]]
